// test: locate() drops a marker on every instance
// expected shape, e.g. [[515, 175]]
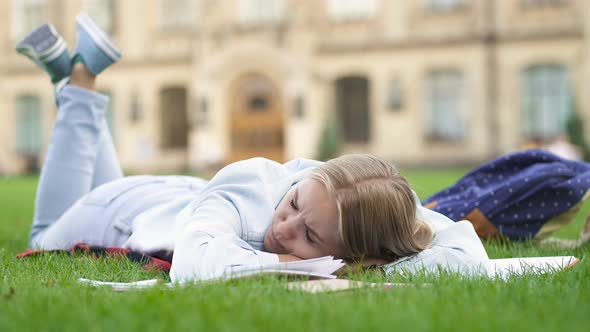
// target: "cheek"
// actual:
[[279, 212], [282, 209]]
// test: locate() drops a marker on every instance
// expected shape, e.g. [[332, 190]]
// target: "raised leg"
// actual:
[[80, 155], [107, 167], [80, 146]]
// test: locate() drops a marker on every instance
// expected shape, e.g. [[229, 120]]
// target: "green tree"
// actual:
[[330, 144], [575, 131]]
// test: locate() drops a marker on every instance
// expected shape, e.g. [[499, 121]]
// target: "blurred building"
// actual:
[[208, 82]]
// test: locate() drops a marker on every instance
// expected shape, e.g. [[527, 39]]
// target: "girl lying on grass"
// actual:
[[255, 211]]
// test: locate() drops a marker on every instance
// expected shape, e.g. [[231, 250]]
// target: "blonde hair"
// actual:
[[376, 207]]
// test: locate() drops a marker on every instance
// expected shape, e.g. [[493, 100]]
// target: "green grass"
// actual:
[[42, 293]]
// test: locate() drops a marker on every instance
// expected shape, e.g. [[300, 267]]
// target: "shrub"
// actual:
[[575, 131], [330, 144]]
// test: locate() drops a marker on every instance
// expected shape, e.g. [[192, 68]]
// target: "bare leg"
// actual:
[[82, 77]]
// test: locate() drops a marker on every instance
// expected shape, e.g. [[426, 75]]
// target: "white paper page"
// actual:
[[280, 272], [318, 286], [506, 267], [125, 286], [322, 265], [122, 285]]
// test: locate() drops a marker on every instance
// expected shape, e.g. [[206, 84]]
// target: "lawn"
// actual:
[[42, 293]]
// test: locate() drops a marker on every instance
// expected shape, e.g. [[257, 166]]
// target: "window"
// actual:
[[445, 105], [352, 9], [178, 14], [27, 15], [136, 113], [103, 13], [253, 12], [28, 126], [352, 106], [299, 107], [394, 95], [443, 6], [200, 117], [545, 101], [258, 104]]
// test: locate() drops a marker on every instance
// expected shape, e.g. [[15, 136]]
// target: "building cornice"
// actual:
[[25, 69], [329, 48]]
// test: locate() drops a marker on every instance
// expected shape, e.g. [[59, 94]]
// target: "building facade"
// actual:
[[206, 82]]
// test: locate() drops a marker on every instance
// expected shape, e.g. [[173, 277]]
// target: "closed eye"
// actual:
[[307, 237], [294, 204]]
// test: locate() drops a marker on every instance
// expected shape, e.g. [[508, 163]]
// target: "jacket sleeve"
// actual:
[[455, 248], [209, 242], [212, 231]]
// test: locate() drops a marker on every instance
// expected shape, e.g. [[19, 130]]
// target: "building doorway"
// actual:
[[256, 119], [173, 118], [352, 108]]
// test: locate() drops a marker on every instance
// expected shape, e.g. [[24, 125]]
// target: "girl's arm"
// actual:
[[225, 225], [209, 242]]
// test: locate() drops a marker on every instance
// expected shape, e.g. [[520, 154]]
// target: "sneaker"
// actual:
[[94, 47], [47, 49]]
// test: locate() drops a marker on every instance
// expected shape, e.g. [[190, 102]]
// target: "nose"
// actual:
[[286, 229]]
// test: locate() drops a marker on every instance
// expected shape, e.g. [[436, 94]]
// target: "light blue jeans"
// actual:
[[82, 195]]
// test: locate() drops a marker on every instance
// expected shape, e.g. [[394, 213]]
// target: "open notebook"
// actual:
[[323, 268], [316, 268]]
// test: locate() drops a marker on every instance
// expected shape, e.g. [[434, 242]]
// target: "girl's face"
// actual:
[[305, 223]]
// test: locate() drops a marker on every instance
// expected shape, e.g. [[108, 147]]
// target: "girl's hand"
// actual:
[[289, 258]]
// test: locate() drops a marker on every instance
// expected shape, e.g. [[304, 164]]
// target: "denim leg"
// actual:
[[68, 171], [107, 167]]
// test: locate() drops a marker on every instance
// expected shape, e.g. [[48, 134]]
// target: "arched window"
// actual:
[[256, 119], [352, 107], [545, 101]]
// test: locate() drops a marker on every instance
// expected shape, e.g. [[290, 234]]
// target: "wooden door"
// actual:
[[256, 120]]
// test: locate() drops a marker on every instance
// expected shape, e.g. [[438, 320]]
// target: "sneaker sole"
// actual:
[[27, 45], [54, 52], [98, 36], [30, 43], [38, 36]]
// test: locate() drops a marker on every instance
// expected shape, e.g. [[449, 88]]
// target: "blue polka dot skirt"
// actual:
[[515, 195]]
